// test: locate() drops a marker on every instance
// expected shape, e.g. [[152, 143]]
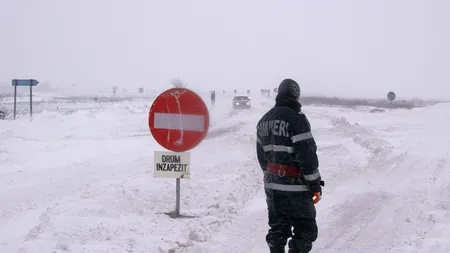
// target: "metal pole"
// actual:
[[31, 98], [177, 207], [15, 96]]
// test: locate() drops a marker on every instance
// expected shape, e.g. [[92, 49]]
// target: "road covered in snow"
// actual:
[[84, 183]]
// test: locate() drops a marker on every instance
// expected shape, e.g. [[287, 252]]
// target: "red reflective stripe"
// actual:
[[283, 170]]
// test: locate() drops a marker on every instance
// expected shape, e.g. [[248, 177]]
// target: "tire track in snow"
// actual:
[[354, 221], [396, 186], [222, 131]]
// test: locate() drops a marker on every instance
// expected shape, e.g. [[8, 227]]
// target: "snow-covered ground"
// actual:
[[84, 183]]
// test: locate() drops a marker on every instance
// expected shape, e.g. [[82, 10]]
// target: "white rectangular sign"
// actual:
[[186, 122], [172, 164]]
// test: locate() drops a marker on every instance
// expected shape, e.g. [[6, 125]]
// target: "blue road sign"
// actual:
[[24, 82]]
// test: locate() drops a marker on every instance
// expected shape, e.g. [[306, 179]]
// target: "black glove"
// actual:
[[316, 191]]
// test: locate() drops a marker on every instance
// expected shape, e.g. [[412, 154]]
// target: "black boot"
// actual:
[[277, 250], [299, 246]]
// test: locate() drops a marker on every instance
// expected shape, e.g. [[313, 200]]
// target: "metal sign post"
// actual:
[[15, 98], [23, 82], [178, 193], [173, 165], [31, 98]]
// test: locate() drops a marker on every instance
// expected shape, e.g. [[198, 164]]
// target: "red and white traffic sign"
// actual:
[[178, 119]]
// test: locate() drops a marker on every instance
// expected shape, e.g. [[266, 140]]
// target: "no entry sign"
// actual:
[[178, 119]]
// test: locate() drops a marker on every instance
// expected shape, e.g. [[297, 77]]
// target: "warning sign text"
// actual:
[[171, 164]]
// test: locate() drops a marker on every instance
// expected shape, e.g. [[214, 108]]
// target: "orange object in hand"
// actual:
[[316, 197]]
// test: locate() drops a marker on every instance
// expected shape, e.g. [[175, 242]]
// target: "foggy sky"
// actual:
[[335, 48]]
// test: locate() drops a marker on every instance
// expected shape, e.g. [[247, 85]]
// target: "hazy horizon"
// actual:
[[333, 48]]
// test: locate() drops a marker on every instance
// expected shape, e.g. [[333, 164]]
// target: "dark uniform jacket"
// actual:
[[284, 137]]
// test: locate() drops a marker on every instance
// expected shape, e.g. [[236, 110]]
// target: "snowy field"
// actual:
[[83, 182]]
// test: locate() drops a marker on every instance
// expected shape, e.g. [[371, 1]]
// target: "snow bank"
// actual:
[[84, 182]]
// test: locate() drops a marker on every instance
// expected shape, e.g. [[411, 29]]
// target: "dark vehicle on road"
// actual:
[[241, 102]]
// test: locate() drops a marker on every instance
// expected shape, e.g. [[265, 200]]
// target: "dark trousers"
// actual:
[[291, 215]]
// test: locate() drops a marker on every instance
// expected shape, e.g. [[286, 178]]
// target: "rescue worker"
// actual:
[[286, 152]]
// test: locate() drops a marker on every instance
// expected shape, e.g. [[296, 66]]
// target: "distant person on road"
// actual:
[[213, 97], [2, 114], [287, 155]]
